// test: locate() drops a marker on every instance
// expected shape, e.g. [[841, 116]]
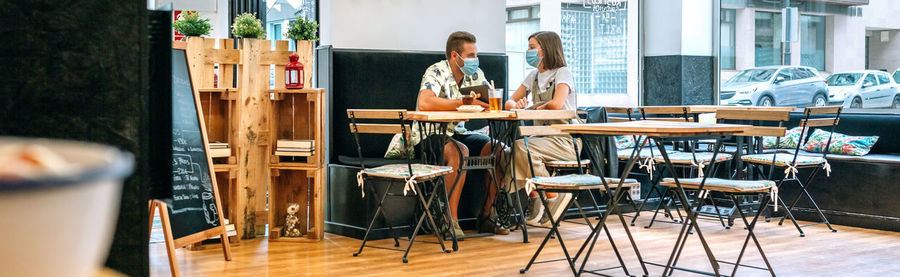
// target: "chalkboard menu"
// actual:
[[193, 206]]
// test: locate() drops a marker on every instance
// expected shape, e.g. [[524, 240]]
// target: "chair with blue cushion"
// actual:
[[787, 165], [767, 189], [412, 176], [574, 184]]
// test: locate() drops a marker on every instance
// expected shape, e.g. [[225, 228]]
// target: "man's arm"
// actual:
[[429, 101]]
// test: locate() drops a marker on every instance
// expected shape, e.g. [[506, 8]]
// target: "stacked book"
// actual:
[[219, 149], [295, 148], [229, 229]]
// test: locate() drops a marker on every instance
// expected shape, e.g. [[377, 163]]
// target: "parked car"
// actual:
[[775, 86], [864, 89]]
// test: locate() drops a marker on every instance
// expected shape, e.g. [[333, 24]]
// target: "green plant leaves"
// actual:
[[189, 23], [303, 29], [247, 25]]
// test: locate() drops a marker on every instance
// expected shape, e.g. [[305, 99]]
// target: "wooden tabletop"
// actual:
[[448, 116], [653, 128], [714, 108]]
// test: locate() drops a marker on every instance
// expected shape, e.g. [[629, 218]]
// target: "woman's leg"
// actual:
[[453, 160]]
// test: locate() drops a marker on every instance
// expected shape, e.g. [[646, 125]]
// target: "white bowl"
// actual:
[[62, 225]]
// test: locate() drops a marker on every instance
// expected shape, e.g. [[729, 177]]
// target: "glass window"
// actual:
[[843, 79], [812, 41], [784, 75], [595, 47], [276, 31], [752, 75], [726, 52], [767, 48], [897, 76], [870, 80], [883, 78]]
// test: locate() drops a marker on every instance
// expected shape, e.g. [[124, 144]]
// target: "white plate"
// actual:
[[470, 108]]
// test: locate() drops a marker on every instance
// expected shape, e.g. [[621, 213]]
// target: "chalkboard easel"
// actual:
[[193, 213]]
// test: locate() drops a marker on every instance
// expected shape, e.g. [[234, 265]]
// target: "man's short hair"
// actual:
[[456, 40]]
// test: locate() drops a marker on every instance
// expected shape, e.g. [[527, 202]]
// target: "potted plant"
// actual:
[[190, 24], [247, 25]]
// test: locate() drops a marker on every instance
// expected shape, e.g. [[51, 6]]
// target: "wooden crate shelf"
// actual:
[[304, 187]]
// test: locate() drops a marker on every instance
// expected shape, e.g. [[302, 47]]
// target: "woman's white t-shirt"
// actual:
[[552, 78]]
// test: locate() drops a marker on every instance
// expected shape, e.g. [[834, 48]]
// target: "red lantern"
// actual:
[[293, 73]]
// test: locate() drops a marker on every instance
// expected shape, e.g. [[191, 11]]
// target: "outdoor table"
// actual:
[[660, 131]]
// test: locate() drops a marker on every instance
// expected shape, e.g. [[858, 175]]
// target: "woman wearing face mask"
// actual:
[[551, 87]]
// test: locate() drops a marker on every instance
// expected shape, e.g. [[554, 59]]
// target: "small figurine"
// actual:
[[291, 222]]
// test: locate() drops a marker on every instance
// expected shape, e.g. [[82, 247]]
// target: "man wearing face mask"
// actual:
[[439, 91]]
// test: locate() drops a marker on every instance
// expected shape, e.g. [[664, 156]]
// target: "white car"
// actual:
[[863, 89]]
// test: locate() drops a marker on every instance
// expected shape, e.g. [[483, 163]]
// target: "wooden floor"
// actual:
[[849, 252]]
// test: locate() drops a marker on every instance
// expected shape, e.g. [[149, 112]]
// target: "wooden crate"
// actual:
[[212, 73], [297, 115], [304, 187]]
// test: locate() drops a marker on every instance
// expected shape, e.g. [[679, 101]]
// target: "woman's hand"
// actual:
[[521, 104]]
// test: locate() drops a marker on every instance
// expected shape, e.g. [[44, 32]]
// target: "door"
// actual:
[[805, 88], [885, 93], [784, 88], [868, 90]]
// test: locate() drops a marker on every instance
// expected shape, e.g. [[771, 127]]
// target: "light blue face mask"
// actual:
[[532, 58], [470, 66]]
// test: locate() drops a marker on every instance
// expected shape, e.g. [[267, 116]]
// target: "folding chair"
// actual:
[[732, 188], [793, 162], [574, 184], [688, 159], [411, 175]]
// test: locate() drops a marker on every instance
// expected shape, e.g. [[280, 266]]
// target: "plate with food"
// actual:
[[470, 108]]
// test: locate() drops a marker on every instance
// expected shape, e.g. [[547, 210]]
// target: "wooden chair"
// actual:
[[794, 161], [574, 184], [411, 175], [734, 188]]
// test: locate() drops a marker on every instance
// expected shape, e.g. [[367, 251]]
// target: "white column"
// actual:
[[551, 15]]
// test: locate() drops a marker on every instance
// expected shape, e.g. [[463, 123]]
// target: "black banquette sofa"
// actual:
[[379, 79]]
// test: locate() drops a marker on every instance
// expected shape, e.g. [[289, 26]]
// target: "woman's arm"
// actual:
[[559, 98], [517, 100]]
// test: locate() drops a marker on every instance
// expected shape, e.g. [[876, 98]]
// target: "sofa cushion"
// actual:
[[840, 144]]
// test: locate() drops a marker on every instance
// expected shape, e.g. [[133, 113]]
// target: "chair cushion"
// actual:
[[625, 154], [723, 185], [841, 144], [578, 182], [584, 162], [688, 158], [783, 159], [401, 171]]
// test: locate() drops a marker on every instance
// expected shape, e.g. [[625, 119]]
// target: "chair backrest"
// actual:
[[824, 117], [627, 111], [667, 113], [393, 122], [758, 120]]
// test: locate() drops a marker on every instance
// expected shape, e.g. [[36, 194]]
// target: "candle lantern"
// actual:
[[293, 73]]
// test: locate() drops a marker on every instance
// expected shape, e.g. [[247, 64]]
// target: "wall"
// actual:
[[882, 14], [411, 24], [884, 55]]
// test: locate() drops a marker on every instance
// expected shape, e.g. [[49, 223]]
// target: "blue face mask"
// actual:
[[470, 66], [532, 58]]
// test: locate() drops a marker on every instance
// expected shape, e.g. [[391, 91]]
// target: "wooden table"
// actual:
[[455, 116], [660, 131], [715, 108]]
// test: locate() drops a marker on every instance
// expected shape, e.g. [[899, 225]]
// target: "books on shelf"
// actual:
[[218, 145], [219, 152], [308, 145], [293, 152], [295, 148]]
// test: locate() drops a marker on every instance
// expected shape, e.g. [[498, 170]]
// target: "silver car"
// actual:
[[863, 89], [775, 86]]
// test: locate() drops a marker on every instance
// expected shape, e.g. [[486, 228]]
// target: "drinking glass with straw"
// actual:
[[494, 98]]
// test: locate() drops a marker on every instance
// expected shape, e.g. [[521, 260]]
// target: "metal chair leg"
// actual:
[[553, 230], [750, 234], [379, 211]]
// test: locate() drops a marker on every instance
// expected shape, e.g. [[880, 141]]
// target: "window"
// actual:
[[768, 39], [812, 41], [801, 73], [726, 52], [869, 81], [883, 78], [599, 40], [276, 31], [897, 76], [784, 75]]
